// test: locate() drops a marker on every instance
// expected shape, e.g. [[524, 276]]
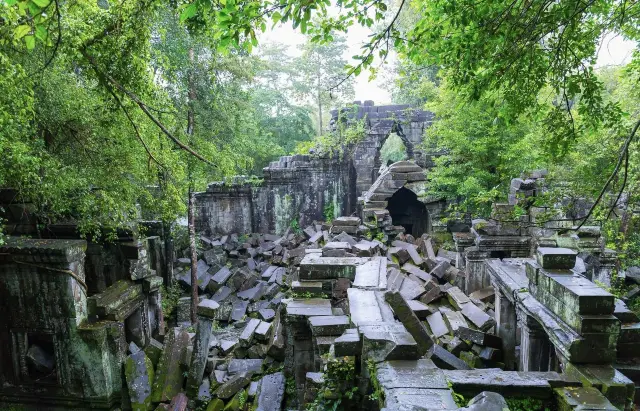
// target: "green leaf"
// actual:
[[21, 31], [188, 12], [41, 32], [31, 42], [41, 3]]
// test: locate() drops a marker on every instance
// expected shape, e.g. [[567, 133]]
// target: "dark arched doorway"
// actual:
[[407, 211]]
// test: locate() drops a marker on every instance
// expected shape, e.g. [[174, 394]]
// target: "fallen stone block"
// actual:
[[168, 377], [454, 320], [327, 325], [138, 371], [207, 308], [348, 344], [409, 319], [478, 317], [457, 298], [367, 306], [487, 401], [271, 394], [372, 274], [247, 333], [437, 325], [244, 365], [388, 341], [412, 269], [263, 331], [200, 346], [411, 289], [228, 346], [445, 360], [485, 295], [233, 385], [479, 337], [420, 309], [239, 310]]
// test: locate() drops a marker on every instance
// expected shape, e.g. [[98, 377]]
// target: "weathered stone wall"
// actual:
[[300, 188], [44, 331], [295, 188], [225, 209]]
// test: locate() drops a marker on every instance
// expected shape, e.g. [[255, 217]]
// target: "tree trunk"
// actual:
[[194, 259], [319, 106], [191, 222]]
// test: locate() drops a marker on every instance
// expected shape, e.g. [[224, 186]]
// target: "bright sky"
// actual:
[[614, 50]]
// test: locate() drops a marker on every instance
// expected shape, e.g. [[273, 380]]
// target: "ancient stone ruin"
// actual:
[[382, 306]]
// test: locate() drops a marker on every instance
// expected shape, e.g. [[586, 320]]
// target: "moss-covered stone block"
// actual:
[[215, 405], [138, 371], [581, 398]]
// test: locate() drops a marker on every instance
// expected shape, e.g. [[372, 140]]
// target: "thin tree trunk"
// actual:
[[191, 217], [319, 106]]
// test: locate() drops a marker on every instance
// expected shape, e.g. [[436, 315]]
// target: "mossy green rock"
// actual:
[[138, 371], [237, 402], [215, 405]]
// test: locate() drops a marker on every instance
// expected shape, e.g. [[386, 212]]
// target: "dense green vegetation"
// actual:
[[107, 105]]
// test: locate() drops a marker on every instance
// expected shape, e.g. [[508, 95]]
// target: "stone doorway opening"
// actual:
[[405, 210], [393, 150]]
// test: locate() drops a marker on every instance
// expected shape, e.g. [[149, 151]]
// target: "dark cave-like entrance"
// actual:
[[407, 211]]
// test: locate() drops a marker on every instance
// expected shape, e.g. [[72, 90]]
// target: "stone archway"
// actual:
[[405, 210], [380, 121], [394, 194]]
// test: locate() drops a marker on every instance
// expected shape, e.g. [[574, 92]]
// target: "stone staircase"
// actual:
[[374, 200]]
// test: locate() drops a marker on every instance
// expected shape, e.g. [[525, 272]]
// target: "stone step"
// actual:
[[511, 384], [299, 309], [367, 306], [348, 344], [313, 287], [372, 275], [315, 267], [329, 325], [385, 341]]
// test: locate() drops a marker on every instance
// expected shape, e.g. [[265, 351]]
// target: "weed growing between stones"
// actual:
[[295, 226], [170, 296], [515, 404], [338, 391], [377, 394], [329, 212]]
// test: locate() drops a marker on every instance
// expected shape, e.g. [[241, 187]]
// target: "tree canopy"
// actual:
[[108, 105]]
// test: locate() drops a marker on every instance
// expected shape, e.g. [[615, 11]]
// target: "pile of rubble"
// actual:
[[235, 354], [432, 287]]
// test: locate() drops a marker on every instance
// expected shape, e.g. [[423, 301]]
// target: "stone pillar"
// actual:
[[476, 277], [206, 313], [462, 242], [506, 327], [535, 354]]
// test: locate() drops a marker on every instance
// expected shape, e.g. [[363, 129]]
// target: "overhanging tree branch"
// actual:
[[623, 154], [143, 107]]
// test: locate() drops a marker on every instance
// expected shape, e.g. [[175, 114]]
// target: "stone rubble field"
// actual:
[[275, 311]]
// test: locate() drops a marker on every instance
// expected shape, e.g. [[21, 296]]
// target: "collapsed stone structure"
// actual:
[[301, 187], [371, 310]]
